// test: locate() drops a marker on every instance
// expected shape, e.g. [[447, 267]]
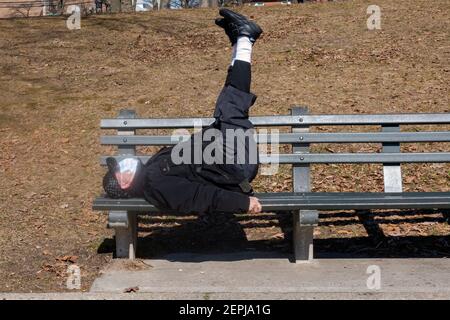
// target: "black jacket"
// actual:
[[183, 189], [203, 188]]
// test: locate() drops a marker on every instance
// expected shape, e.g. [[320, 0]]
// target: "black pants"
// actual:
[[232, 108], [240, 76]]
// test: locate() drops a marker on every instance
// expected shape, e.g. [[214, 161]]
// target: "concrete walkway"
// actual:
[[265, 275], [221, 296]]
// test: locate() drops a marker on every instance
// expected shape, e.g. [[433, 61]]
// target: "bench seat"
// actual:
[[311, 201]]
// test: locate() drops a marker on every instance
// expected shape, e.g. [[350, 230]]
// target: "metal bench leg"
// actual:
[[304, 223], [125, 223], [125, 226], [304, 220]]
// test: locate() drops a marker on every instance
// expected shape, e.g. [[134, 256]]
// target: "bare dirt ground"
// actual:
[[56, 85]]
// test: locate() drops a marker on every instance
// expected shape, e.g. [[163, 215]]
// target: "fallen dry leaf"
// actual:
[[71, 259], [131, 289]]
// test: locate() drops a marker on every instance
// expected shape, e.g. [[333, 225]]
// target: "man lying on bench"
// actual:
[[201, 187]]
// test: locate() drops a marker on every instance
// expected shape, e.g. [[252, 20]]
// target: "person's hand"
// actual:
[[254, 206]]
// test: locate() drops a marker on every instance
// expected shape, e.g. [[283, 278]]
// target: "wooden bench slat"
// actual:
[[289, 138], [437, 157], [424, 157], [354, 195], [316, 120], [311, 201]]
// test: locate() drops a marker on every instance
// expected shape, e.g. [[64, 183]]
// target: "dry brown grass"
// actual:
[[57, 84]]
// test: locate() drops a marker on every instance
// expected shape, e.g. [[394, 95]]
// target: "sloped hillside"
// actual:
[[56, 85]]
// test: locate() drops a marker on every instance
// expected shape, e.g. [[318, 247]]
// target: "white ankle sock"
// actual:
[[233, 54], [242, 50]]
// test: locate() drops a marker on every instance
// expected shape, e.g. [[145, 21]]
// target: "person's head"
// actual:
[[124, 178]]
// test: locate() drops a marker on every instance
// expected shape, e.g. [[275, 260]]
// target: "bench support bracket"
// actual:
[[392, 172], [125, 222], [304, 220]]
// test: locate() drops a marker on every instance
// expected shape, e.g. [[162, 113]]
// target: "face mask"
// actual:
[[125, 172]]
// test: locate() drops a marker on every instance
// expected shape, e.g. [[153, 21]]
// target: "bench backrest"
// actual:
[[301, 138]]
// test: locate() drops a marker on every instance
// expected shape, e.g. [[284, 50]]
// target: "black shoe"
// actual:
[[221, 22], [236, 25]]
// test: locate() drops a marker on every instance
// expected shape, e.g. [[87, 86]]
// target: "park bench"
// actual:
[[302, 203]]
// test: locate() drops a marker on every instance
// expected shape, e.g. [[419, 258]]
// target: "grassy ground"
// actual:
[[56, 84]]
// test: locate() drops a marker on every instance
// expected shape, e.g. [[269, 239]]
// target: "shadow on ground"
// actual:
[[271, 233]]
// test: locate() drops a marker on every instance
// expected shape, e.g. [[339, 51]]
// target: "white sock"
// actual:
[[233, 54], [242, 50]]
